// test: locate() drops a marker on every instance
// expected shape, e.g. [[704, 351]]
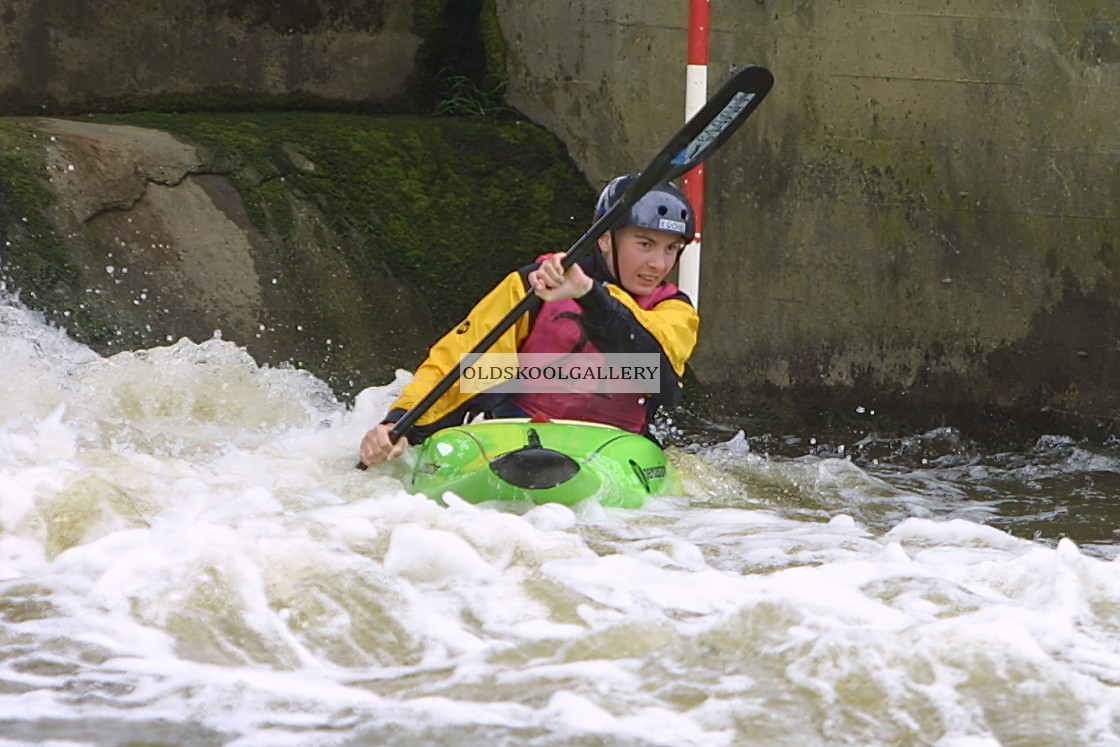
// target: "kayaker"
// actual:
[[615, 300]]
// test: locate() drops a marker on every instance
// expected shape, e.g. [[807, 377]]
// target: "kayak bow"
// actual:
[[562, 461]]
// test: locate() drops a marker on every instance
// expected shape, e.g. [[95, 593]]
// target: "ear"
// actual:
[[605, 242]]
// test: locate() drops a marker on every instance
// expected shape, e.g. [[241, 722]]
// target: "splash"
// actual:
[[187, 553]]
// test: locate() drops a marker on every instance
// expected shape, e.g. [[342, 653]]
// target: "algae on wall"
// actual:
[[368, 236], [925, 218], [47, 275], [360, 239], [447, 205], [919, 222]]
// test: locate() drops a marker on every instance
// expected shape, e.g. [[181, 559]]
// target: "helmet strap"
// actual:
[[614, 260], [677, 260]]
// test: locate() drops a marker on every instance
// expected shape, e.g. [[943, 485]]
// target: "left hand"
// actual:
[[377, 447], [551, 283]]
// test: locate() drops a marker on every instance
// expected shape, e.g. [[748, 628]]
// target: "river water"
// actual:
[[188, 557]]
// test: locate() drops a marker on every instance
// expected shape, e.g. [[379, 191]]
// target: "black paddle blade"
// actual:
[[739, 96], [708, 129]]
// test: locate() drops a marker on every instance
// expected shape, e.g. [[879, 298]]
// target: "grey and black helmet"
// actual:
[[665, 207]]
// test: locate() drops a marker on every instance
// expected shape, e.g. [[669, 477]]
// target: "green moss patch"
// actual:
[[448, 205], [371, 235], [33, 256]]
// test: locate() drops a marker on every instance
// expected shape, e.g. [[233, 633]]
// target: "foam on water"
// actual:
[[188, 556]]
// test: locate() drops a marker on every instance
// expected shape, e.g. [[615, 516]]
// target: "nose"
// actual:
[[659, 260]]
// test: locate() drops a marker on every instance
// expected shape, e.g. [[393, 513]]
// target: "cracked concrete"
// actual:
[[166, 221], [97, 167]]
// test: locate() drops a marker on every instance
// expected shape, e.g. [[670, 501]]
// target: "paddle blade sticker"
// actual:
[[723, 122]]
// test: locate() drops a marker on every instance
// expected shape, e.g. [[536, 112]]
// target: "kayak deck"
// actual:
[[562, 461]]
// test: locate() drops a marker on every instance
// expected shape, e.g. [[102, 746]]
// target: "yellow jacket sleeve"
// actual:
[[447, 351], [674, 323]]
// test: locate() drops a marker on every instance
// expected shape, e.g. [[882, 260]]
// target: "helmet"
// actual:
[[665, 207]]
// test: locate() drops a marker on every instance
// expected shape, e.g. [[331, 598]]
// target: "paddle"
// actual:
[[706, 131]]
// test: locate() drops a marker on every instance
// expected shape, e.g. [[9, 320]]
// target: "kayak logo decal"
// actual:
[[645, 474]]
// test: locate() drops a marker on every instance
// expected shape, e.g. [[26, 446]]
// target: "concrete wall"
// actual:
[[65, 55], [920, 221]]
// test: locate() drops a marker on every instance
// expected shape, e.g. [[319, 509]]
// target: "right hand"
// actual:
[[552, 283], [378, 448]]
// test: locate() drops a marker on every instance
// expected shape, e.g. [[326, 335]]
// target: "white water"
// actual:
[[187, 556]]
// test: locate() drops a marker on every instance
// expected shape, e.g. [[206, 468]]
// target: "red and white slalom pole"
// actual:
[[695, 94]]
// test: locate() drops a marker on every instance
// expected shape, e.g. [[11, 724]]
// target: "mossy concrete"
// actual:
[[338, 243], [76, 56], [918, 226]]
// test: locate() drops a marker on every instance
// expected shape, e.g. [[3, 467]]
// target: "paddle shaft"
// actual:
[[705, 132], [528, 303]]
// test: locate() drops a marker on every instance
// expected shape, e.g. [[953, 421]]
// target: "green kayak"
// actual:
[[562, 461]]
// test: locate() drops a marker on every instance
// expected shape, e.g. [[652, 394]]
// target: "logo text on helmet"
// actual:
[[671, 225]]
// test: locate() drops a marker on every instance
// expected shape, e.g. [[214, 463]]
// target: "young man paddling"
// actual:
[[614, 301]]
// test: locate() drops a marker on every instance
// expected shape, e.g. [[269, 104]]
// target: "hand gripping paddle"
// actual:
[[701, 135]]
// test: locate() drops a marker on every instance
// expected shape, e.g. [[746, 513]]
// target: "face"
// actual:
[[645, 256]]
